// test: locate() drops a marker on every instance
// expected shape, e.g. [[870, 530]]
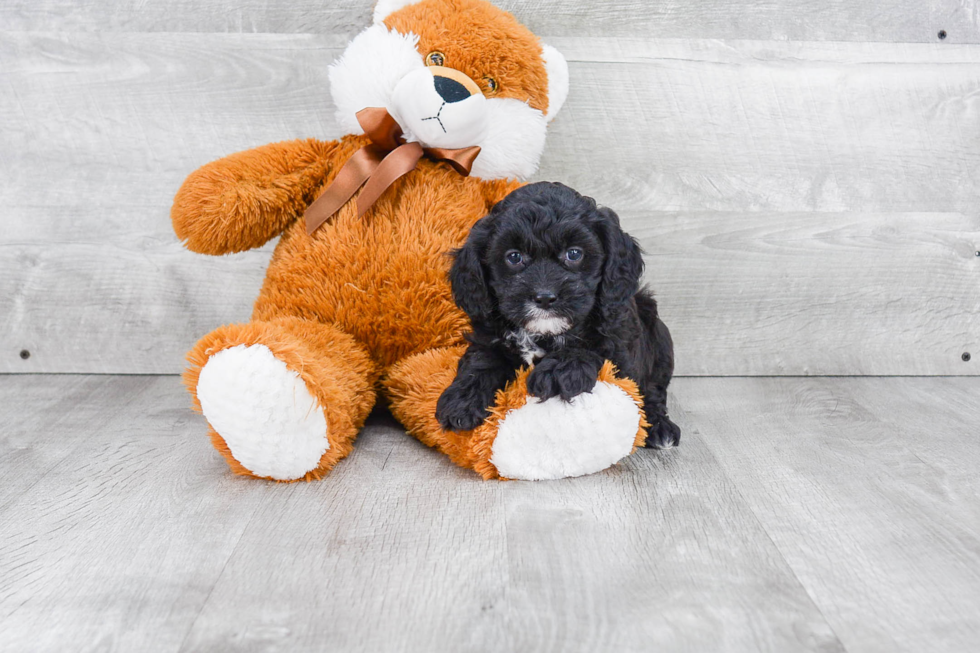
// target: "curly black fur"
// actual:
[[568, 300]]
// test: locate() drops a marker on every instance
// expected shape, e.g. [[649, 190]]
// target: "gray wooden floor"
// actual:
[[832, 514]]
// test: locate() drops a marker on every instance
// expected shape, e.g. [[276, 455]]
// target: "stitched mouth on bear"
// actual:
[[436, 117], [439, 111]]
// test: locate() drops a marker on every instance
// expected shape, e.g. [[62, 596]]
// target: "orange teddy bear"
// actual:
[[447, 103]]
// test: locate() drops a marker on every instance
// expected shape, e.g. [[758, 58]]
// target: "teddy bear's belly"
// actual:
[[381, 278]]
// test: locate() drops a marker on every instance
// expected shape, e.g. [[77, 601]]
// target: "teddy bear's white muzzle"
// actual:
[[439, 111]]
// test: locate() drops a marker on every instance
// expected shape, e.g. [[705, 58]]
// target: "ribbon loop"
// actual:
[[461, 160], [400, 162], [352, 176], [380, 127], [378, 165]]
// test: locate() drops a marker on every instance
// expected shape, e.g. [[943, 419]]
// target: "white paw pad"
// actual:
[[271, 423], [553, 439]]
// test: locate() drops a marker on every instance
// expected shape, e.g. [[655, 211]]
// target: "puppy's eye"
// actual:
[[435, 59], [514, 258], [573, 255]]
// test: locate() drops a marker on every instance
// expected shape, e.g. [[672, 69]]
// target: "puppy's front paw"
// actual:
[[542, 382], [461, 408], [663, 434], [568, 378]]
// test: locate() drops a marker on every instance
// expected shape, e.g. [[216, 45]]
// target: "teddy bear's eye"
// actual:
[[491, 85], [435, 59]]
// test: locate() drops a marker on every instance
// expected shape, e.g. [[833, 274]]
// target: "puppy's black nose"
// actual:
[[450, 90], [545, 299]]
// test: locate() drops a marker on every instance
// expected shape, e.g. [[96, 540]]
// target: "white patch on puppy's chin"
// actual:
[[548, 326], [545, 323]]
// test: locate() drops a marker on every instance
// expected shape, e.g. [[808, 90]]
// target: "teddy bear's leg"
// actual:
[[523, 438], [284, 398]]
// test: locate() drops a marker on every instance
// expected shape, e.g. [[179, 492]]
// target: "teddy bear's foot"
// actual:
[[284, 399], [544, 440], [523, 438], [264, 412]]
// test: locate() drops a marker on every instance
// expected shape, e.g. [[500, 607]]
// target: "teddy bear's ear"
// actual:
[[385, 8], [557, 68]]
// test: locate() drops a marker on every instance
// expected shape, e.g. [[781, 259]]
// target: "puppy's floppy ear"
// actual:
[[623, 267], [471, 288]]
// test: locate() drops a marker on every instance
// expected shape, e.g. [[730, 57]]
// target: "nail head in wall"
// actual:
[[942, 34], [966, 357], [25, 354]]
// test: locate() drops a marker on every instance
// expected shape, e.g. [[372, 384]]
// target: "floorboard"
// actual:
[[43, 421], [799, 514], [869, 489], [399, 550], [115, 547]]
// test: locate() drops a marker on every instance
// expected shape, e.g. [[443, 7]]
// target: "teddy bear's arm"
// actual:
[[243, 200]]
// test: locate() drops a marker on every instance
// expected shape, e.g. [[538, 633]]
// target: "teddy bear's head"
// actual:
[[453, 74]]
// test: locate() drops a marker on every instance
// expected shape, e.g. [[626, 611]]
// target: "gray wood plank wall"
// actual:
[[806, 179], [900, 21]]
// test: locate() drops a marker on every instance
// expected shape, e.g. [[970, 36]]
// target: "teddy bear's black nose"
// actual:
[[450, 90]]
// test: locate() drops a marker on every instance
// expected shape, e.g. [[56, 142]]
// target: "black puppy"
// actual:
[[551, 280]]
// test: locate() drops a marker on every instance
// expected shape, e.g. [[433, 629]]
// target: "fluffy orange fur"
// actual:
[[367, 298]]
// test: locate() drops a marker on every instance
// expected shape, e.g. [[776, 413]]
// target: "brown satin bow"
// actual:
[[379, 164]]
